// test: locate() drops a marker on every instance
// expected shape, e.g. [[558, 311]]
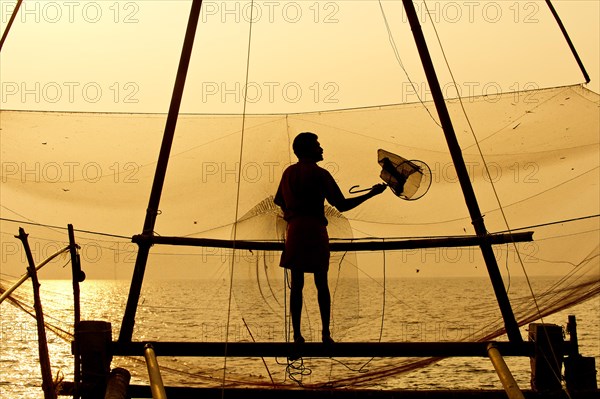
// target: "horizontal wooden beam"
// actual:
[[294, 392], [342, 246], [342, 349]]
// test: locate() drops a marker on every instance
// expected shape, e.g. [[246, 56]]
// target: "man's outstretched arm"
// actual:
[[345, 204]]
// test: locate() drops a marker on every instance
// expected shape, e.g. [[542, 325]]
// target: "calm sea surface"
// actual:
[[407, 310]]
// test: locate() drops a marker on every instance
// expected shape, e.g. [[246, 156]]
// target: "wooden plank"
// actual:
[[342, 349], [188, 392]]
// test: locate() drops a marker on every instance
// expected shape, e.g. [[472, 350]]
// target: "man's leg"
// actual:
[[296, 303], [324, 304]]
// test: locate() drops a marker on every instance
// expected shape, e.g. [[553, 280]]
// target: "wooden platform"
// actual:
[[342, 349], [139, 391]]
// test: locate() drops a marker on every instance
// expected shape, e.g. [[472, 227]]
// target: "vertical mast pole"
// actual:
[[510, 323], [126, 332]]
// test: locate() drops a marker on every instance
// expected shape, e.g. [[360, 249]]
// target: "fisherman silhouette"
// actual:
[[302, 192]]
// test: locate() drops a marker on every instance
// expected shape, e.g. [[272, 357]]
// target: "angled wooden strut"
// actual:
[[126, 332], [10, 22], [586, 76], [510, 323]]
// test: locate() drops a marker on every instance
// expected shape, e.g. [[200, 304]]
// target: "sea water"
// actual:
[[428, 309]]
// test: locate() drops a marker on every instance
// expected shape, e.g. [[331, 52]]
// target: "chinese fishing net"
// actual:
[[95, 169], [387, 296]]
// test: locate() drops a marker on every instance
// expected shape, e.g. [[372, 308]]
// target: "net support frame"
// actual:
[[510, 322]]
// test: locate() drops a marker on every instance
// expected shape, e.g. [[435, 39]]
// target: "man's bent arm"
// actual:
[[347, 204]]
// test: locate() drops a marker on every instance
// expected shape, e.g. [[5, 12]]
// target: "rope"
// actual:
[[553, 223], [31, 223], [397, 55], [237, 198], [383, 301]]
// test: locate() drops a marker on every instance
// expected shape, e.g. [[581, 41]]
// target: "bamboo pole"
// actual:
[[25, 276], [341, 246], [47, 384]]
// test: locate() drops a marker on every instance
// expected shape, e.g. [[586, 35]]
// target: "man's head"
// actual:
[[306, 146]]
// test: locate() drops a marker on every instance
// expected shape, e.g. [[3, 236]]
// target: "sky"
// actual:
[[109, 56], [296, 56]]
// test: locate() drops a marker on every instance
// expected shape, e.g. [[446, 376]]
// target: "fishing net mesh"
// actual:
[[95, 170]]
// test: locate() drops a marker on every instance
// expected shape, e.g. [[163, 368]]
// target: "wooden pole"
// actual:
[[77, 277], [586, 76], [341, 246], [10, 22], [572, 330], [47, 384], [137, 279], [25, 276], [510, 323]]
